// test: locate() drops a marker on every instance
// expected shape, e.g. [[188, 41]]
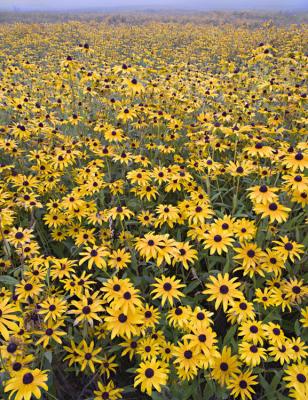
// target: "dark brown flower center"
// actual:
[[149, 373], [28, 378], [224, 289]]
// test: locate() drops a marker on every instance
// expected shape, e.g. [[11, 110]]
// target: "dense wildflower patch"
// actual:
[[153, 196]]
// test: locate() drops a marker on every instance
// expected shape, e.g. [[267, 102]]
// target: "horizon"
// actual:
[[155, 5]]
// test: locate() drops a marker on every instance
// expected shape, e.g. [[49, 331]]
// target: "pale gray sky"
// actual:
[[27, 5]]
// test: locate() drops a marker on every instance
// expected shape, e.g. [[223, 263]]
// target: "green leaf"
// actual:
[[48, 355], [276, 380], [229, 335], [193, 285], [131, 370], [8, 280], [156, 396], [208, 391], [264, 384]]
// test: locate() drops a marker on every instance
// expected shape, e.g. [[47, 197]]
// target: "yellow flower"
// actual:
[[121, 212], [186, 254], [223, 290], [151, 374], [27, 383], [249, 255], [119, 259], [95, 255], [122, 324], [26, 289], [251, 354], [288, 248], [87, 355], [241, 385], [225, 366], [263, 194], [53, 308], [274, 210], [296, 376], [168, 289], [8, 317], [52, 332], [87, 309], [166, 214], [304, 319], [217, 240], [148, 246], [107, 389], [274, 333], [20, 236]]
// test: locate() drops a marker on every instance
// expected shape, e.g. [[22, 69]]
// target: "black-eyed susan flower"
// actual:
[[186, 254], [167, 288], [264, 297], [26, 382], [108, 366], [288, 248], [166, 349], [123, 324], [107, 391], [72, 355], [121, 212], [119, 259], [251, 354], [273, 262], [52, 332], [222, 290], [281, 351], [8, 317], [151, 374], [129, 347], [127, 300], [205, 341], [299, 349], [150, 315], [273, 210], [249, 255], [20, 236], [263, 194], [20, 362], [149, 245], [53, 308], [217, 240], [240, 310], [199, 213], [252, 331], [146, 218], [87, 309], [166, 213], [225, 365], [179, 316], [95, 255], [148, 348], [296, 161], [114, 287], [62, 268], [88, 355], [26, 289], [241, 385], [296, 376], [188, 359], [274, 333]]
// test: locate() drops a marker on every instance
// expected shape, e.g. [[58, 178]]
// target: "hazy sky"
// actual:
[[24, 5]]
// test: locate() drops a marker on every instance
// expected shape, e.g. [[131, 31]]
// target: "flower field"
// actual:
[[153, 208]]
